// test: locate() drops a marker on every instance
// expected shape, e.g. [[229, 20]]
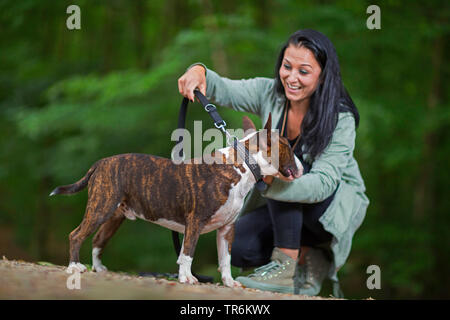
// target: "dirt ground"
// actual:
[[24, 280]]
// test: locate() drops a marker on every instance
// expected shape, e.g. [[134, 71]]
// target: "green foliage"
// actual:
[[69, 98]]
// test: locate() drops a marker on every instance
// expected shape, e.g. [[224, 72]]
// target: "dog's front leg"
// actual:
[[185, 258], [225, 237]]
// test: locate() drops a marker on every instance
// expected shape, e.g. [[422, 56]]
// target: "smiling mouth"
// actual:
[[293, 87]]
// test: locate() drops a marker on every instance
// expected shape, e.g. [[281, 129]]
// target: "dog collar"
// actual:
[[243, 152]]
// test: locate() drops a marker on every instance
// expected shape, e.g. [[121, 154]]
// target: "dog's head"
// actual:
[[272, 151]]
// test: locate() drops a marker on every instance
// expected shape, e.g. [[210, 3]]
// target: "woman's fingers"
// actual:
[[202, 88], [190, 90], [181, 86], [186, 87], [268, 179], [192, 79]]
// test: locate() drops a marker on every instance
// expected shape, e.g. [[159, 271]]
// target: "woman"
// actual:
[[300, 230]]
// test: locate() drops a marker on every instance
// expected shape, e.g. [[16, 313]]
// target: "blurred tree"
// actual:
[[69, 98]]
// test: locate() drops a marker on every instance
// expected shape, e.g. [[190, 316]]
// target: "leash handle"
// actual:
[[219, 123]]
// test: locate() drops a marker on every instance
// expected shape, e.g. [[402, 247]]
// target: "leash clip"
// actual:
[[221, 125]]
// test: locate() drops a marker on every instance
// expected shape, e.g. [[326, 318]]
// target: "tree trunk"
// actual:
[[424, 191], [43, 228], [107, 39], [138, 14], [218, 54]]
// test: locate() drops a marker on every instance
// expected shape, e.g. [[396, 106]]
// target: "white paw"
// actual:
[[229, 282], [76, 267], [189, 279], [99, 268]]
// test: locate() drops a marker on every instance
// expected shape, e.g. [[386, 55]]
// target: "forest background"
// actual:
[[71, 97]]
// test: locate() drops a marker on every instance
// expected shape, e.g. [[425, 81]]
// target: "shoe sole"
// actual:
[[249, 283]]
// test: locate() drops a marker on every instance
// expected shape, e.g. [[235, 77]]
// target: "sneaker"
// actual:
[[315, 270], [277, 275]]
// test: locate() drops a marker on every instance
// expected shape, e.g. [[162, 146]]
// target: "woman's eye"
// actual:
[[287, 66], [302, 71]]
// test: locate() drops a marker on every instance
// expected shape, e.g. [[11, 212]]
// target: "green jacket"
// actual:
[[334, 168]]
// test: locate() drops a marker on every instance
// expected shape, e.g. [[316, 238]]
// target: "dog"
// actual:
[[189, 198]]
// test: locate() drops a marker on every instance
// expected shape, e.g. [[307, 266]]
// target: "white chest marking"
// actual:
[[229, 211]]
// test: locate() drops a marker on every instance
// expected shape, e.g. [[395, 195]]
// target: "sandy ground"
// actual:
[[24, 280]]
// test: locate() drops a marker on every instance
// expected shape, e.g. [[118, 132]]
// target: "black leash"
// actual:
[[242, 151], [219, 123]]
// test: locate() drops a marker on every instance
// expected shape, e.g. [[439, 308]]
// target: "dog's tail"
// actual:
[[77, 186]]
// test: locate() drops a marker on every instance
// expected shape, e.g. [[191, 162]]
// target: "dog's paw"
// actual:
[[189, 279], [229, 282], [99, 268], [76, 267]]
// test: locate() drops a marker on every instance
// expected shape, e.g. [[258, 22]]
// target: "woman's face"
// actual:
[[299, 73]]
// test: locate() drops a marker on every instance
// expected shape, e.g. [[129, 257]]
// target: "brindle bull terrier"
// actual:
[[189, 198]]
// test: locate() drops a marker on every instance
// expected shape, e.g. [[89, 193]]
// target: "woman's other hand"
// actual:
[[268, 180], [193, 78]]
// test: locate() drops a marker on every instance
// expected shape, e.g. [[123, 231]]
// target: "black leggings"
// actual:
[[277, 224]]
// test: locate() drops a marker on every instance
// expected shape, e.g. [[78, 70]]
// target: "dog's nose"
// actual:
[[298, 173]]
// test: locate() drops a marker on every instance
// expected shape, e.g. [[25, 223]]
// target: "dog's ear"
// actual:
[[265, 140], [268, 125], [248, 125]]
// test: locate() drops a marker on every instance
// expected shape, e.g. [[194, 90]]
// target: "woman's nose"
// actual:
[[293, 76]]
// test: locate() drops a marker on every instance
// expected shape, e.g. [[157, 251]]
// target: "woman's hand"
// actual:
[[193, 79], [268, 180]]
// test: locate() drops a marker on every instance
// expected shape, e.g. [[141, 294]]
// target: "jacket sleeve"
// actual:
[[241, 95], [326, 171]]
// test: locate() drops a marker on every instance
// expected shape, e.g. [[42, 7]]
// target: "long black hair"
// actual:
[[330, 97]]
